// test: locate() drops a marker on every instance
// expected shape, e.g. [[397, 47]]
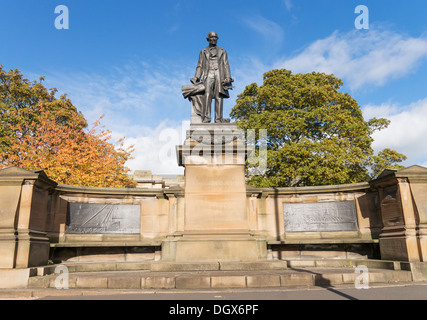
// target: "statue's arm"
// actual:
[[199, 68], [227, 73]]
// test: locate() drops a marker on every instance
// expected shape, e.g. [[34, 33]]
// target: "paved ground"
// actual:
[[240, 303], [217, 304], [407, 291]]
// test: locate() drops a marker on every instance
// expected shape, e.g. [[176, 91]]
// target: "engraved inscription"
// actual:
[[321, 216], [93, 218], [391, 207]]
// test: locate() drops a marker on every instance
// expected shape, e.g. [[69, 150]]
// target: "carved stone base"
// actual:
[[210, 248], [216, 220]]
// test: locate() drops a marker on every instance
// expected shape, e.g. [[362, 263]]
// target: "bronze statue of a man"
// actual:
[[213, 71]]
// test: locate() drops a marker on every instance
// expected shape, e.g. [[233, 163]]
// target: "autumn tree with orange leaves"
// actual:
[[40, 132]]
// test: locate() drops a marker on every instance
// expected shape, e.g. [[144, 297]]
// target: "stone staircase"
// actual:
[[218, 275]]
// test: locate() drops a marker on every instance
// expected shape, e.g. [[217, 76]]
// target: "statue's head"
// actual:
[[212, 37]]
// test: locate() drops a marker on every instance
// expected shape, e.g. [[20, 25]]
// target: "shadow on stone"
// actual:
[[320, 280]]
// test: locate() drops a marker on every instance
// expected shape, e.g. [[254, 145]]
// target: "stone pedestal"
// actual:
[[216, 223], [23, 213], [404, 214]]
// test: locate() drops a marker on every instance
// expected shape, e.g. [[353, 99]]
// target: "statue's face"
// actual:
[[213, 39]]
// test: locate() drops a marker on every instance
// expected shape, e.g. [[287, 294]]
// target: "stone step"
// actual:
[[225, 266], [167, 266], [304, 277]]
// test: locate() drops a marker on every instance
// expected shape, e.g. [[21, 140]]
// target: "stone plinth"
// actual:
[[215, 198], [221, 245], [24, 197], [403, 209], [212, 144], [216, 223]]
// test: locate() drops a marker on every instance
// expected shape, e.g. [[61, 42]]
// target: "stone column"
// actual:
[[418, 191], [403, 198], [23, 211], [217, 225]]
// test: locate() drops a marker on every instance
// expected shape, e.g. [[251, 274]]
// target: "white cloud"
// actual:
[[288, 4], [407, 131], [155, 148], [364, 59], [130, 96], [380, 111], [137, 99], [269, 30], [246, 71], [361, 58]]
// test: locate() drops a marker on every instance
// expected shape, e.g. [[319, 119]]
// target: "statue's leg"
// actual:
[[218, 99], [218, 109], [209, 94]]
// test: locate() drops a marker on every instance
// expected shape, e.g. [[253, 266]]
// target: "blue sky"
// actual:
[[128, 60]]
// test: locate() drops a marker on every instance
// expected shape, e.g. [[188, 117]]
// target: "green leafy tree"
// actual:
[[386, 159], [316, 134]]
